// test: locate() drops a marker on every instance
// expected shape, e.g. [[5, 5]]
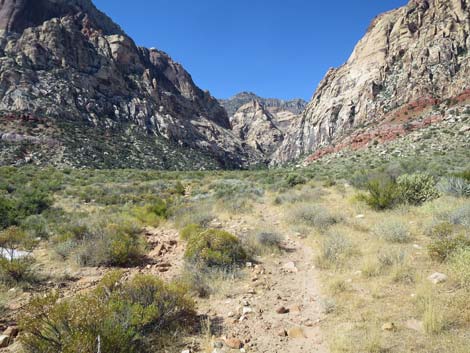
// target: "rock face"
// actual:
[[294, 106], [76, 90], [412, 58], [255, 125], [261, 122]]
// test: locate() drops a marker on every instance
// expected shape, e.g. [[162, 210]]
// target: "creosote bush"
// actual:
[[119, 317], [215, 248], [382, 194], [417, 188]]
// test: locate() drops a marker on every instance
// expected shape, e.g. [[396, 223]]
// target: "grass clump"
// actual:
[[264, 241], [313, 216], [460, 267], [215, 248], [200, 214], [334, 251], [120, 317], [392, 230]]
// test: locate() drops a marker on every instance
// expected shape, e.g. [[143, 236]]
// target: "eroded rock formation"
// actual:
[[414, 55]]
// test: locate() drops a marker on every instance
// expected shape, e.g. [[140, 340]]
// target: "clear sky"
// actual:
[[275, 48]]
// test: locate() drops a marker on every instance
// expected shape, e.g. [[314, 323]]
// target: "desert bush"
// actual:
[[389, 258], [460, 266], [334, 250], [392, 230], [294, 179], [382, 194], [215, 248], [417, 188], [306, 194], [37, 226], [453, 186], [234, 188], [200, 214], [101, 241], [313, 216], [7, 217], [130, 317], [191, 230], [269, 239], [15, 255], [264, 241], [442, 248], [460, 216]]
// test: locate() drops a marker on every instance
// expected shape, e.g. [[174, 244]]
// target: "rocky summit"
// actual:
[[412, 61], [75, 90]]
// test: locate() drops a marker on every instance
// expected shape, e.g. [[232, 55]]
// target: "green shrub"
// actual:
[[392, 230], [441, 249], [131, 317], [382, 194], [417, 188], [104, 241], [294, 180], [37, 226], [15, 260], [191, 230], [460, 266], [160, 208], [313, 216], [6, 213], [215, 248]]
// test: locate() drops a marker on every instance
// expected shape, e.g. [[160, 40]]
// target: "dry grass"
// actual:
[[385, 279]]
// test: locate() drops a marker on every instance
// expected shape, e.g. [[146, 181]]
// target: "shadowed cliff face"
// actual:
[[66, 63], [17, 15], [416, 53]]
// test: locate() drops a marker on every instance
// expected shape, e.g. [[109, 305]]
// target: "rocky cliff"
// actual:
[[76, 90], [274, 105], [258, 127], [261, 122], [410, 61]]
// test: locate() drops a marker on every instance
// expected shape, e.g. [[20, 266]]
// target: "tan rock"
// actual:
[[233, 343], [389, 326], [296, 332]]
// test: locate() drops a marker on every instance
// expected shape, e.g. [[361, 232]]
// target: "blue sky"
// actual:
[[275, 48]]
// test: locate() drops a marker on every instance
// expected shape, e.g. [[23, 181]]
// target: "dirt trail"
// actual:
[[250, 311]]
